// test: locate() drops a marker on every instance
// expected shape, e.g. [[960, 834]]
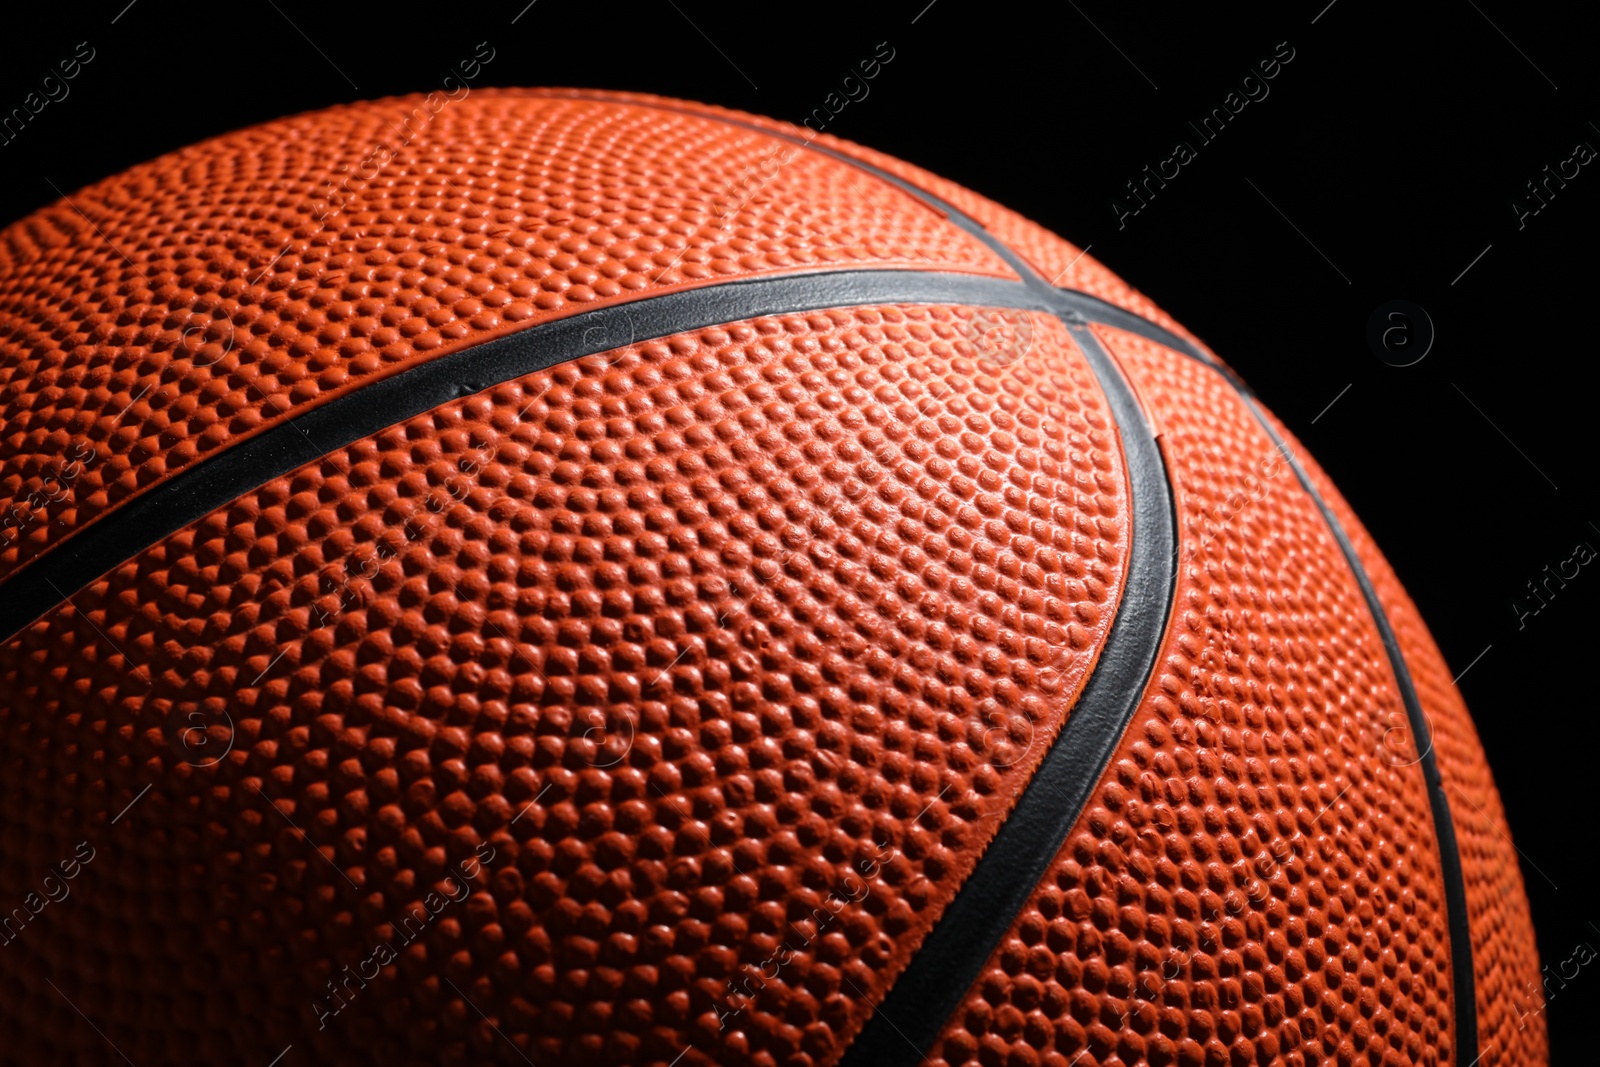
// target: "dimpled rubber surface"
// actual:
[[730, 651], [1255, 879], [697, 636], [161, 315], [1510, 998], [1060, 262]]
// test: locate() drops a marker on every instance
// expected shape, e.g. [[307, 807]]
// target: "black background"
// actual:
[[1381, 165]]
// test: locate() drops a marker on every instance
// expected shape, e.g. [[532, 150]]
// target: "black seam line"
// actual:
[[24, 595], [216, 481], [1053, 798], [212, 483], [948, 961], [1463, 978], [913, 1013], [1069, 304], [1090, 307], [173, 504]]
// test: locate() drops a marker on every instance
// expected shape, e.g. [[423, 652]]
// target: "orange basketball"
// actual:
[[570, 578]]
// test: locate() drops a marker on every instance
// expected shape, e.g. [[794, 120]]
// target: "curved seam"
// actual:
[[1072, 304], [221, 478], [96, 549], [1068, 304], [1091, 306], [1463, 978], [943, 968], [995, 891], [1108, 699], [972, 925], [1070, 299]]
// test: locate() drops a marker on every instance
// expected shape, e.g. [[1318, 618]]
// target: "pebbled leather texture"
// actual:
[[598, 589], [173, 310], [1059, 262], [1510, 986], [703, 638], [1255, 878]]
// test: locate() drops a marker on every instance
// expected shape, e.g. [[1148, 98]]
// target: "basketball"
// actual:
[[563, 578]]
